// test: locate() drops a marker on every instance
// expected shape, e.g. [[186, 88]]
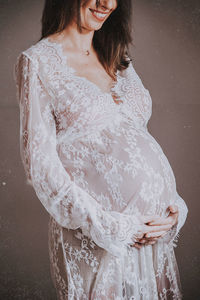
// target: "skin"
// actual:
[[157, 227], [74, 45]]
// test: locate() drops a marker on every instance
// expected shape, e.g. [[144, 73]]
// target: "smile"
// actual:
[[100, 16]]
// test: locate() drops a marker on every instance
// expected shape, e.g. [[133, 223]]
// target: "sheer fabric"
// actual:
[[96, 169]]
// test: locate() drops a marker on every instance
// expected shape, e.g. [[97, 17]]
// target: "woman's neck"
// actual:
[[75, 39]]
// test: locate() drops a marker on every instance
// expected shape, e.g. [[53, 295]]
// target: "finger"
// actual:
[[149, 229], [163, 221], [155, 234], [147, 240], [142, 241], [150, 243], [173, 208], [137, 245], [150, 218], [171, 219]]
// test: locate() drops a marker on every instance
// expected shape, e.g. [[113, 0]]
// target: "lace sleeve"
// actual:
[[173, 234], [70, 205], [131, 88], [183, 211]]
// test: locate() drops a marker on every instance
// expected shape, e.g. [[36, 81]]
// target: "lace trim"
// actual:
[[59, 48]]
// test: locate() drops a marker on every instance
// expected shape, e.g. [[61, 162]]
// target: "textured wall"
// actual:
[[166, 56]]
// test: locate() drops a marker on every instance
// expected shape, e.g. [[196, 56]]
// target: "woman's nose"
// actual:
[[108, 4]]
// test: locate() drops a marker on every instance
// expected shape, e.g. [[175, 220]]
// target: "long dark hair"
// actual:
[[110, 42]]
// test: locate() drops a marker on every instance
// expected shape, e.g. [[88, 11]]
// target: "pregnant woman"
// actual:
[[109, 189]]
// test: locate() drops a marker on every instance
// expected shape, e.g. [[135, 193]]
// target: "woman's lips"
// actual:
[[100, 16]]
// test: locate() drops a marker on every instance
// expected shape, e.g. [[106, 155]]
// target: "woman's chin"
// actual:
[[93, 26]]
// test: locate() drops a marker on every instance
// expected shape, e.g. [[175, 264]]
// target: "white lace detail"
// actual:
[[96, 169]]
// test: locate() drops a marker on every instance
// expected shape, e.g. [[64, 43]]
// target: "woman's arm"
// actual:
[[173, 234], [70, 205], [176, 219], [183, 211]]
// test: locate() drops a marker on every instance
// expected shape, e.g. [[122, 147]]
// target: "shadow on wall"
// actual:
[[166, 56]]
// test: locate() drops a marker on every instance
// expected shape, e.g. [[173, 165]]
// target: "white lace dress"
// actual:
[[96, 169]]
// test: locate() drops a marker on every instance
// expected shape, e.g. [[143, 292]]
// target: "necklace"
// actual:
[[87, 52]]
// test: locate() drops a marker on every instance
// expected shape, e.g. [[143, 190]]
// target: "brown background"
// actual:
[[166, 56]]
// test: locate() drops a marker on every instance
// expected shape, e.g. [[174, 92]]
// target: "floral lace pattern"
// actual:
[[96, 169]]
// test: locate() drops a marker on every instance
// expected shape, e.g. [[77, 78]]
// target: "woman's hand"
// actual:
[[157, 227]]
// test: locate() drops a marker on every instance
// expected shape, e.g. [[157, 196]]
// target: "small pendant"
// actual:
[[87, 52]]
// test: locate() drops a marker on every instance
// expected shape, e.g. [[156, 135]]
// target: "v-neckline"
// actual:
[[59, 48]]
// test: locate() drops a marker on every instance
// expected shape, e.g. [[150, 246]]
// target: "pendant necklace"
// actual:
[[87, 52]]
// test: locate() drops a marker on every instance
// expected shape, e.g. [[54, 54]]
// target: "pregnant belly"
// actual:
[[127, 171]]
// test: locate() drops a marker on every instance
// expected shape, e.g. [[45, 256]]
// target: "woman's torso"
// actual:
[[104, 146]]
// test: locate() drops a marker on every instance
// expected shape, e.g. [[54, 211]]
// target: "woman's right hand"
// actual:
[[158, 231]]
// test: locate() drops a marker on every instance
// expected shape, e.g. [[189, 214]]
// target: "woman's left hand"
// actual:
[[151, 237]]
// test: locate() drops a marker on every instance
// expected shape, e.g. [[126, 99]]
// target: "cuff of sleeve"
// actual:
[[172, 236]]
